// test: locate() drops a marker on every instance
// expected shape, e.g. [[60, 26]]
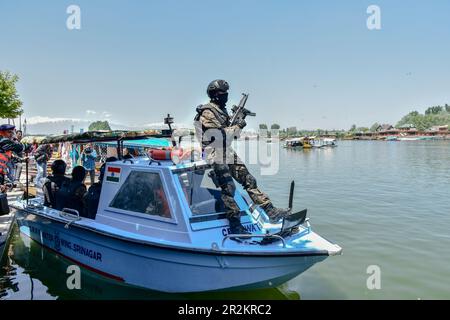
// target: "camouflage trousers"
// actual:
[[225, 172]]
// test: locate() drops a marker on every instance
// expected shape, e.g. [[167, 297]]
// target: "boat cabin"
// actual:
[[159, 199], [166, 201]]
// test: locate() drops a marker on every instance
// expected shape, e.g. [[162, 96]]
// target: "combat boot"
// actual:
[[275, 214], [236, 227]]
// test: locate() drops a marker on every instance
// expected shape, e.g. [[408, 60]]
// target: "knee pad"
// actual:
[[229, 188], [224, 179], [221, 169], [250, 182]]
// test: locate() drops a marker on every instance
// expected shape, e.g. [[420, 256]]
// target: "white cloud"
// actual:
[[91, 112]]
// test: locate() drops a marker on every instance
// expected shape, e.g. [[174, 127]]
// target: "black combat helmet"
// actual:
[[217, 87]]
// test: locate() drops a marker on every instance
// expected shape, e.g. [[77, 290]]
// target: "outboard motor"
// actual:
[[4, 207]]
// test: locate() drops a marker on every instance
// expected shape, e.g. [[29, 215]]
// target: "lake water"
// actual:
[[386, 203]]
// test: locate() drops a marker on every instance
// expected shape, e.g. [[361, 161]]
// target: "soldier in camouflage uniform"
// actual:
[[214, 131]]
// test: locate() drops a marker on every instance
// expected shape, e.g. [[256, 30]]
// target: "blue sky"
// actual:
[[310, 64]]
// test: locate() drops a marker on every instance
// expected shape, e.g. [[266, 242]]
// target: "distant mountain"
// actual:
[[47, 126], [55, 126]]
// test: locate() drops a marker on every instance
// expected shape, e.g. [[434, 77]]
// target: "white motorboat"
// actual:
[[162, 226], [330, 142]]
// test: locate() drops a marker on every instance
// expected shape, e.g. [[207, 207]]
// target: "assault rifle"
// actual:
[[239, 111]]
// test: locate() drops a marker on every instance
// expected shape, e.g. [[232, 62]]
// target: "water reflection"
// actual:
[[32, 272], [385, 203]]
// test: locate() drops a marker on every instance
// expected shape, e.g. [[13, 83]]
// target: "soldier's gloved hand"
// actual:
[[241, 123]]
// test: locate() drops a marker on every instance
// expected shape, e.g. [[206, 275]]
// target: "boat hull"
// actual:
[[158, 268]]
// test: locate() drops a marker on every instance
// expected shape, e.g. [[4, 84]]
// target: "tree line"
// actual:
[[433, 116]]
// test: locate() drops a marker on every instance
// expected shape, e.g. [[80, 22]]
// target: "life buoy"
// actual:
[[160, 154], [177, 155], [192, 154]]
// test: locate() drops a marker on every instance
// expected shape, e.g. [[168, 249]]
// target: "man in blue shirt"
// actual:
[[88, 161]]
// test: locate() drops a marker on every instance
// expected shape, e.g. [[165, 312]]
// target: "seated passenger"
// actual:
[[127, 154], [71, 193], [92, 197], [54, 182], [162, 206]]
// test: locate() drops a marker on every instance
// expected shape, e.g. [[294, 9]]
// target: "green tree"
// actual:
[[263, 126], [434, 110], [99, 125], [10, 104], [292, 131], [353, 128], [433, 117], [340, 134], [447, 108], [374, 127], [275, 126]]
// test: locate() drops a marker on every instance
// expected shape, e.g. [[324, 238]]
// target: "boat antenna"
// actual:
[[291, 194], [120, 148], [169, 120]]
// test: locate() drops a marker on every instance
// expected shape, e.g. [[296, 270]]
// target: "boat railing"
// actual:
[[71, 214], [249, 236], [34, 205], [130, 160]]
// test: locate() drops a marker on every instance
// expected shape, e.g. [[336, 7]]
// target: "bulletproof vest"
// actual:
[[65, 197], [221, 115]]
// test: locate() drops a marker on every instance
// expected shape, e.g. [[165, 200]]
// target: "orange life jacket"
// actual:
[[5, 158]]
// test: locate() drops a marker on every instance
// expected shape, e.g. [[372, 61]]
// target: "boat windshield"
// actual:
[[201, 193]]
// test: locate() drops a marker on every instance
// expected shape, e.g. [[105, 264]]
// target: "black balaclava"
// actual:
[[221, 99]]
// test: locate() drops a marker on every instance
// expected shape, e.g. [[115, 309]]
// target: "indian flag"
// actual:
[[113, 174]]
